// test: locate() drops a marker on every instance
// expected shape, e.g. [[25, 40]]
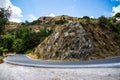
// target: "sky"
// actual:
[[33, 9]]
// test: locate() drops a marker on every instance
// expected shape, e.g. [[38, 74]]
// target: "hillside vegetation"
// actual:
[[84, 39], [62, 37]]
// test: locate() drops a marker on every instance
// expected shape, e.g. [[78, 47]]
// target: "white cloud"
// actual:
[[116, 9], [92, 17], [52, 15], [16, 11], [16, 20], [32, 17]]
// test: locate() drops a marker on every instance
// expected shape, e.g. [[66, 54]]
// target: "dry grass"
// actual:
[[32, 56], [1, 60]]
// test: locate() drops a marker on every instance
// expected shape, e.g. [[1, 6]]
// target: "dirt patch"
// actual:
[[1, 60]]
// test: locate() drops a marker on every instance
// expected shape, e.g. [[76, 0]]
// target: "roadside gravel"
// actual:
[[15, 72]]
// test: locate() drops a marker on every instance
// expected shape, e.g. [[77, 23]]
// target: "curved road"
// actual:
[[20, 59]]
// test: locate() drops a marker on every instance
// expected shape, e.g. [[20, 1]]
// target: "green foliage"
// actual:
[[117, 36], [25, 39], [22, 38], [24, 24], [35, 22], [3, 51], [17, 45], [112, 26], [117, 15], [4, 15], [38, 22], [112, 19], [115, 28], [44, 32], [118, 28], [7, 41], [86, 17], [28, 51], [60, 22], [22, 33], [103, 20]]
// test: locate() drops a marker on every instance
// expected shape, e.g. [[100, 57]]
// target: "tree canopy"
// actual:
[[117, 15], [4, 16]]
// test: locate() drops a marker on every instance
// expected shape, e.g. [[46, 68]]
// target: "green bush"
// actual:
[[28, 51], [112, 19], [22, 33], [117, 15], [60, 22], [86, 17], [103, 20], [17, 45], [22, 40], [4, 16], [44, 32], [116, 28], [3, 51], [25, 39], [117, 36], [38, 22], [7, 41]]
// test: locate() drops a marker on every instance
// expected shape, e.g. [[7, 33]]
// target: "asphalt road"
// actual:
[[15, 72], [21, 59]]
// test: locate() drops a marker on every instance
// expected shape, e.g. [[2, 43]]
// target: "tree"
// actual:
[[103, 20], [86, 17], [112, 19], [7, 41], [22, 33], [17, 45], [1, 51], [117, 15], [25, 39], [60, 22], [21, 36], [37, 22], [4, 16]]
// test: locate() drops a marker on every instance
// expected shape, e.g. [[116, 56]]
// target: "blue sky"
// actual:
[[32, 9]]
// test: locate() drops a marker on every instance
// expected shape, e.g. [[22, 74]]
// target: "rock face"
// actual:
[[78, 42], [66, 43]]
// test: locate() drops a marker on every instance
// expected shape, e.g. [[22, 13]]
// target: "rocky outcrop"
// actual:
[[77, 42], [66, 43]]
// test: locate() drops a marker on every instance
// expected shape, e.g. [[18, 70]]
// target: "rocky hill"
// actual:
[[77, 41]]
